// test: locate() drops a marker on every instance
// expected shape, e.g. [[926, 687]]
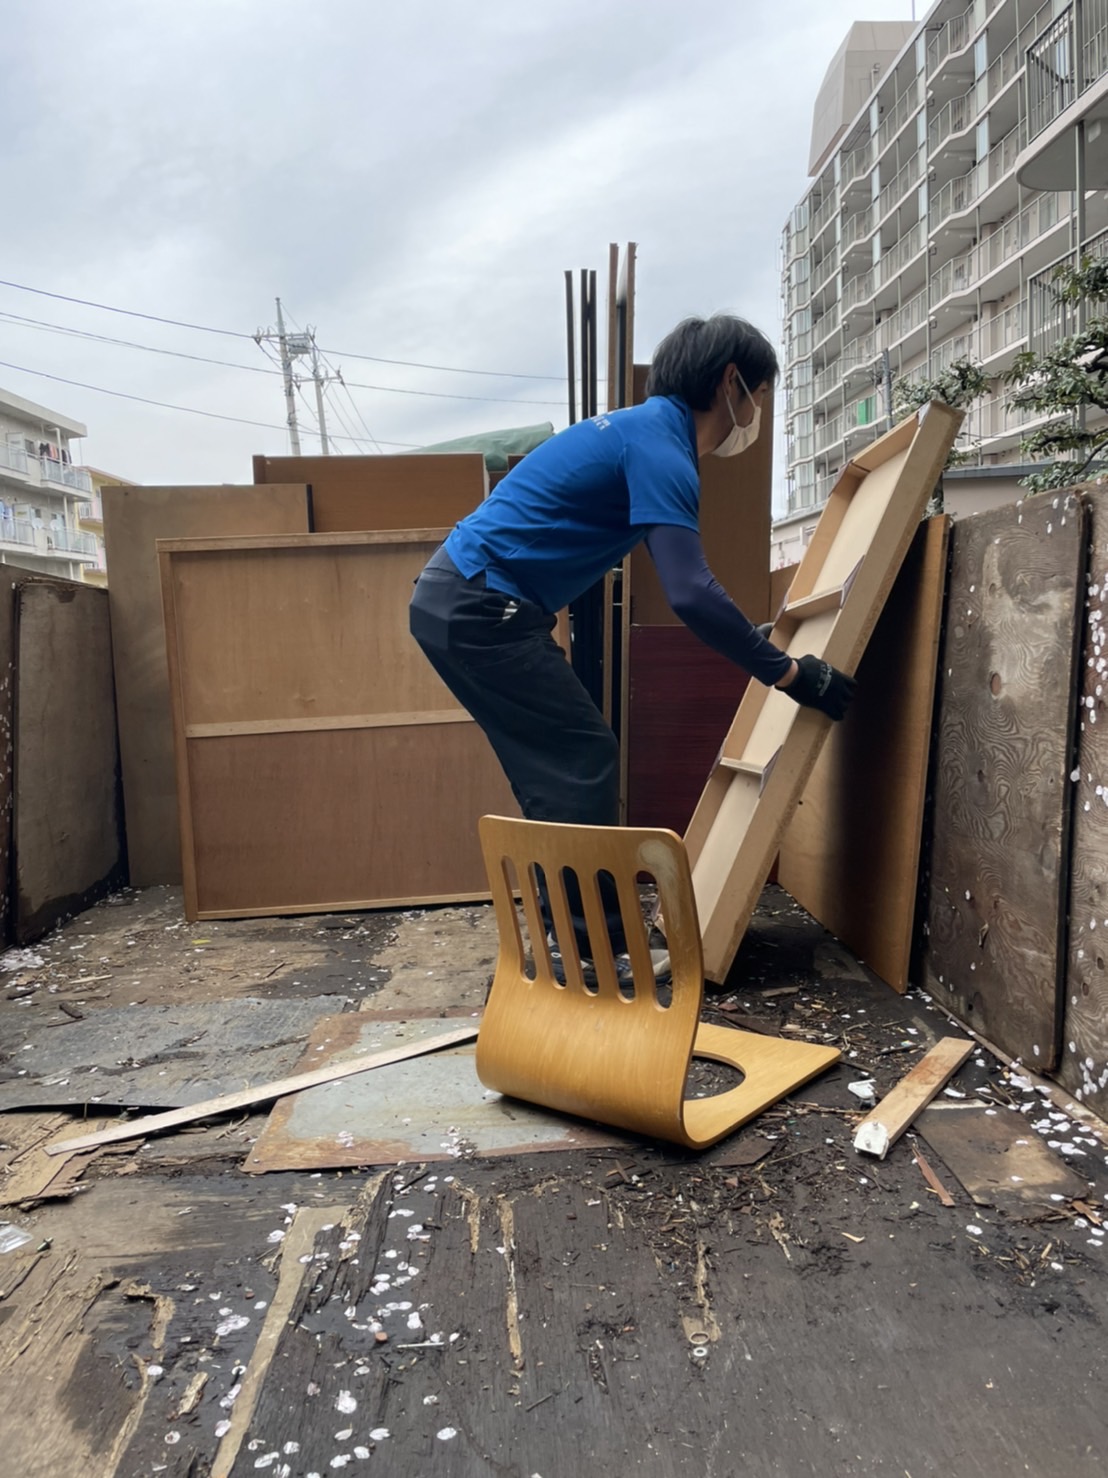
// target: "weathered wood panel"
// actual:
[[7, 714], [994, 947], [67, 823], [852, 851], [364, 494], [134, 519], [1083, 1066], [682, 697]]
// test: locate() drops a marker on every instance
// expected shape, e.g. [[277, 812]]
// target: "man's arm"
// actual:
[[698, 599]]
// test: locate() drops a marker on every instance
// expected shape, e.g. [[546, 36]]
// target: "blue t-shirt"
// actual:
[[579, 502]]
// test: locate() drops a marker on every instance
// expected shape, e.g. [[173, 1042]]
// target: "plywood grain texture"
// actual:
[[405, 491], [994, 944], [851, 853], [134, 519], [67, 814], [322, 764], [1083, 1065], [682, 697], [863, 534]]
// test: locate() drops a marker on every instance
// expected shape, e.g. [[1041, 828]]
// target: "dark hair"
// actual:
[[690, 361]]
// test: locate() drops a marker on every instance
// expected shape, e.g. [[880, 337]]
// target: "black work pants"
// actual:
[[499, 659]]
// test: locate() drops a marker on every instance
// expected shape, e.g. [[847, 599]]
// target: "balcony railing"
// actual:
[[823, 270], [905, 107], [1050, 319], [65, 475], [1061, 64], [952, 118], [826, 324], [910, 245], [47, 541], [857, 290], [952, 36], [1003, 332], [14, 458], [857, 227], [1013, 237], [829, 434], [893, 193], [824, 213], [858, 162], [903, 321]]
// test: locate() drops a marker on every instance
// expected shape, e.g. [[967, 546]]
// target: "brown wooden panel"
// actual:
[[321, 631], [336, 819], [134, 519], [408, 491], [67, 815], [1083, 1066], [851, 853], [682, 697], [779, 582], [994, 945], [8, 584]]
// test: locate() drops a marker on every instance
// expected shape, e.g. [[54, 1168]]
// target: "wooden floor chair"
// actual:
[[610, 1051]]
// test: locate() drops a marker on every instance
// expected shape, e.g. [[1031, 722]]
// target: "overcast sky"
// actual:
[[412, 179]]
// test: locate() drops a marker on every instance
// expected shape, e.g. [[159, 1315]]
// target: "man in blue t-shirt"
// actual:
[[484, 608]]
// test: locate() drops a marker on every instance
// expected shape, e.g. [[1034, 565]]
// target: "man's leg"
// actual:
[[500, 661]]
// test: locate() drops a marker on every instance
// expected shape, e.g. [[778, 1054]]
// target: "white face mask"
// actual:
[[740, 437]]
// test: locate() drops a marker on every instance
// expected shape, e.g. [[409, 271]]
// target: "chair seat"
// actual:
[[603, 1051]]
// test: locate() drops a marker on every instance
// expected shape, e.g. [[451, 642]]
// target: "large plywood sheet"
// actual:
[[322, 763], [406, 491], [1083, 1066], [835, 600], [851, 853], [67, 815], [134, 519], [8, 584], [996, 896]]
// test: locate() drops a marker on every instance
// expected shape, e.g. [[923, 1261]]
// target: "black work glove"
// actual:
[[765, 630], [819, 685]]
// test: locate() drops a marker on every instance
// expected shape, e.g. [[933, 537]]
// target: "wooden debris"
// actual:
[[880, 1130], [280, 1088], [945, 1198]]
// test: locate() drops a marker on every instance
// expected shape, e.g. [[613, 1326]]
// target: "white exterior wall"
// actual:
[[918, 240], [42, 492]]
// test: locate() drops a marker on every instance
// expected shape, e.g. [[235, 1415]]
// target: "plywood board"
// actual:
[[134, 518], [67, 815], [997, 1157], [1083, 1066], [406, 491], [851, 853], [323, 765], [995, 941], [771, 748]]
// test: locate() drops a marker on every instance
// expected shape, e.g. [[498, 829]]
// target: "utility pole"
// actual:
[[320, 381], [292, 347], [290, 388]]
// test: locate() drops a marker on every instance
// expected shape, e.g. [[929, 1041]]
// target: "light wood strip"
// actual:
[[228, 1102], [881, 1128], [336, 721]]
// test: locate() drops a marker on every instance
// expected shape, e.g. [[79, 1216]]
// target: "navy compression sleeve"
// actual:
[[697, 597]]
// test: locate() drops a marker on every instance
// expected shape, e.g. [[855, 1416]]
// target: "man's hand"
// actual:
[[819, 685]]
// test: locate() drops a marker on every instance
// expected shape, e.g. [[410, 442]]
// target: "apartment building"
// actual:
[[43, 494], [954, 163]]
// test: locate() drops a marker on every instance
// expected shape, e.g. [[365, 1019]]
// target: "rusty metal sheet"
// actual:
[[426, 1108]]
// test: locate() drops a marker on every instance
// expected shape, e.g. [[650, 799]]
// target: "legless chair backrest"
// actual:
[[592, 1051]]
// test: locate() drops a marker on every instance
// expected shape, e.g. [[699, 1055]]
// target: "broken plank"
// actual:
[[296, 1248], [229, 1102], [880, 1130], [945, 1198]]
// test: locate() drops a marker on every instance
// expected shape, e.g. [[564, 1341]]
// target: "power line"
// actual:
[[238, 334], [169, 405], [79, 333]]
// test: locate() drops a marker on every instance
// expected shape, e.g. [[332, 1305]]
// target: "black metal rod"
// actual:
[[571, 368]]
